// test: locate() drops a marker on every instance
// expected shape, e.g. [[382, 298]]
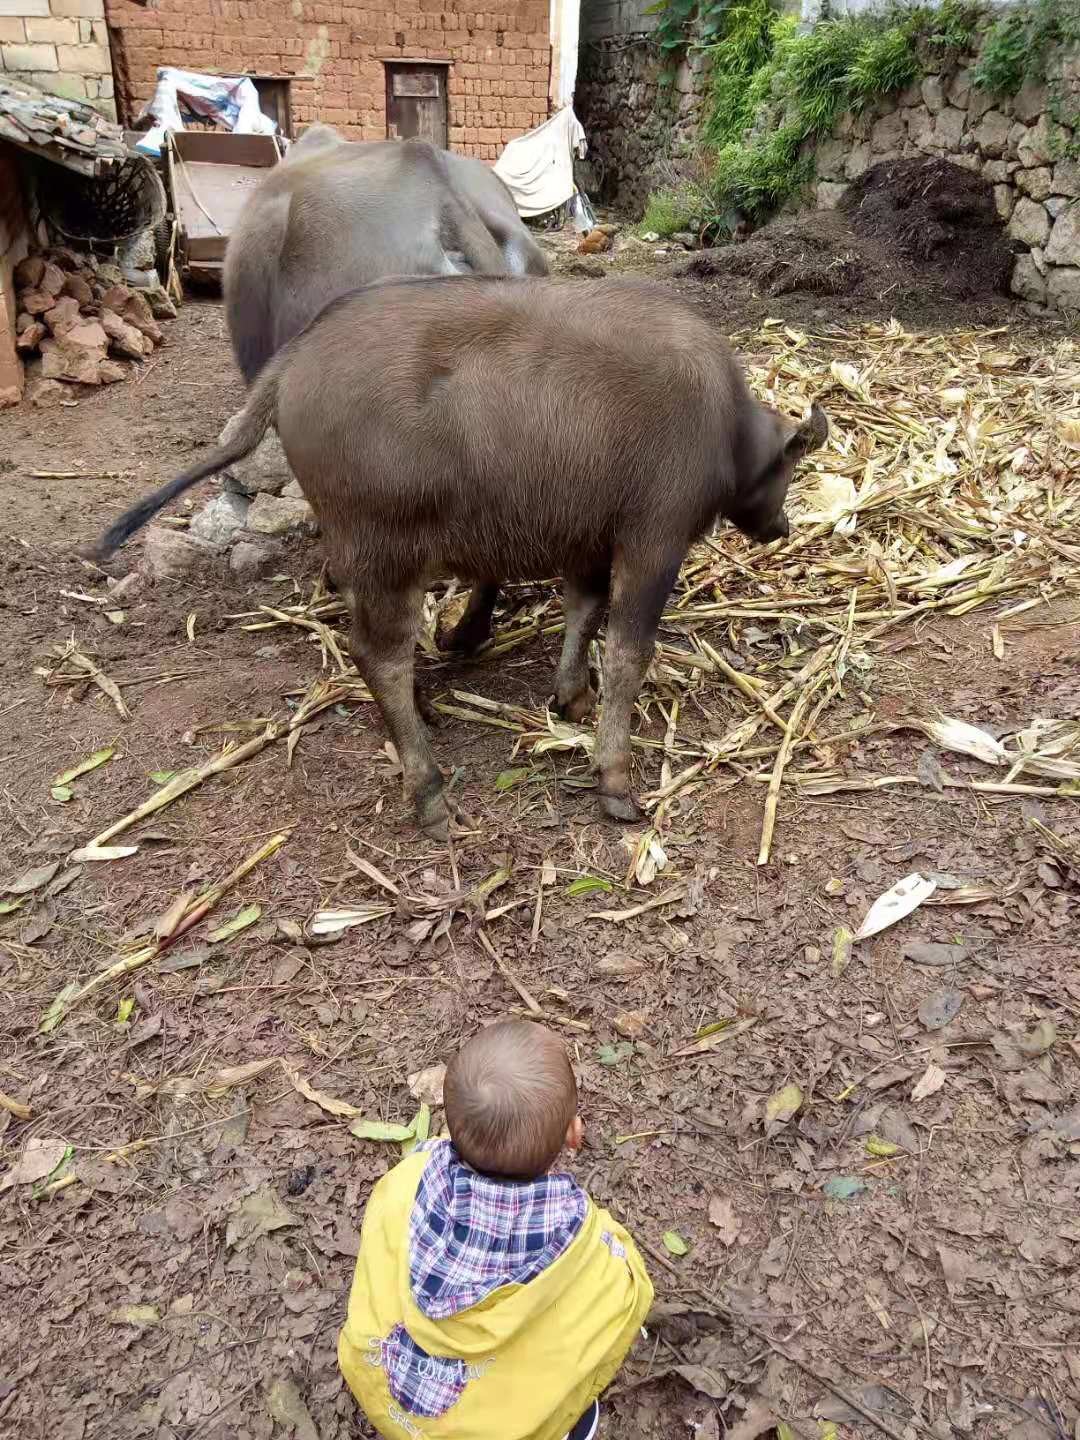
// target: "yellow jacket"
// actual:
[[534, 1356]]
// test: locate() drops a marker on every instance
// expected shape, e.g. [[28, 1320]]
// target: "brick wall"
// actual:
[[61, 46], [14, 243], [498, 83]]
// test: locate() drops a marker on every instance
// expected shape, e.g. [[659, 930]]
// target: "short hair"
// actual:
[[510, 1096]]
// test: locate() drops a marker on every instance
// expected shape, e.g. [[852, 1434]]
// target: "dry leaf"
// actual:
[[140, 1316], [722, 1215], [757, 1421], [904, 897], [260, 1214], [32, 879], [939, 1009], [39, 1159], [15, 1107], [619, 965], [965, 739], [630, 1024], [325, 1102], [427, 1085], [930, 1084], [841, 950], [288, 1409], [101, 852]]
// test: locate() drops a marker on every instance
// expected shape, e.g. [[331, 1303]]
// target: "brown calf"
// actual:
[[492, 429]]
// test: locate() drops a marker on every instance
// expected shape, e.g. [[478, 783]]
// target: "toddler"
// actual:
[[492, 1299]]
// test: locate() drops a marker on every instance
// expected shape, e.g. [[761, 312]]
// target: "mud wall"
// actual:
[[14, 243], [1015, 143], [498, 78]]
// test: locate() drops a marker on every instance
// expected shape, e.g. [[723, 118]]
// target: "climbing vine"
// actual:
[[1018, 44], [775, 88]]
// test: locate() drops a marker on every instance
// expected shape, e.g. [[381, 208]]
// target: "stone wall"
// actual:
[[618, 102], [497, 85], [61, 46], [639, 114], [1015, 143]]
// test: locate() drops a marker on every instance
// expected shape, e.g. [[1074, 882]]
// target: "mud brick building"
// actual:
[[468, 78]]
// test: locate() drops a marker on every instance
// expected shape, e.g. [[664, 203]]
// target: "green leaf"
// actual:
[[58, 1009], [421, 1130], [240, 921], [588, 885], [123, 1011], [509, 778], [783, 1105], [161, 777], [674, 1244], [784, 1431], [704, 1031], [611, 1054], [841, 950], [884, 1148], [843, 1187], [99, 757], [6, 906], [382, 1130], [63, 793], [92, 762], [55, 1173]]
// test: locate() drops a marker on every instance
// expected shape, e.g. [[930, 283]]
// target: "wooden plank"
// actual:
[[222, 148], [70, 160], [208, 200]]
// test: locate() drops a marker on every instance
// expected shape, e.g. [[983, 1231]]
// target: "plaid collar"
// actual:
[[470, 1235]]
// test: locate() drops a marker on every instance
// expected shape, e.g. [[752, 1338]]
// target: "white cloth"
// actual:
[[233, 102], [538, 167]]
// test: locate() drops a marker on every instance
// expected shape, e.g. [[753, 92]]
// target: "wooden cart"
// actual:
[[211, 177]]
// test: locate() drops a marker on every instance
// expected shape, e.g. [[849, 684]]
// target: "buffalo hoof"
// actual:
[[621, 807], [579, 707], [464, 639], [440, 819], [426, 710]]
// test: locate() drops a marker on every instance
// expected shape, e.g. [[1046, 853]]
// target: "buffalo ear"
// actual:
[[810, 435]]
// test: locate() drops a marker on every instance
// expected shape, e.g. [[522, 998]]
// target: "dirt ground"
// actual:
[[176, 1244]]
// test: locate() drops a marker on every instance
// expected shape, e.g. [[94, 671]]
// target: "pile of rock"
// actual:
[[77, 313], [259, 508]]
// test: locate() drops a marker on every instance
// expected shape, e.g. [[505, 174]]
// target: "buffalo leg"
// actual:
[[583, 606], [474, 628], [637, 601], [383, 644]]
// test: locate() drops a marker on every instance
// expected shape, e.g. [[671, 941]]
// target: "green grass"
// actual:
[[667, 211]]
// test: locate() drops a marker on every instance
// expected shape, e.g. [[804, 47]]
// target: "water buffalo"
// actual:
[[481, 428], [338, 214]]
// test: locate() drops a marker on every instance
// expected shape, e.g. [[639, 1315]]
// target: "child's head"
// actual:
[[511, 1101]]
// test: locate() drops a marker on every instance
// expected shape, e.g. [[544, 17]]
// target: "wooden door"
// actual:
[[416, 102]]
